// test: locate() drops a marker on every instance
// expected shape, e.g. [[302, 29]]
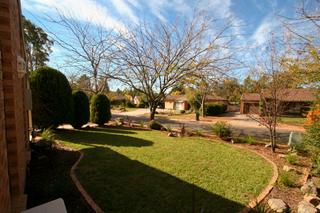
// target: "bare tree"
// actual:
[[89, 49], [272, 104], [153, 59]]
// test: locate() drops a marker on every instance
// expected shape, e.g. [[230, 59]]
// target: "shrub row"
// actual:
[[55, 104], [215, 109]]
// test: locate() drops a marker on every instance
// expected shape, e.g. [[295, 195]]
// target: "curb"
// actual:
[[267, 189]]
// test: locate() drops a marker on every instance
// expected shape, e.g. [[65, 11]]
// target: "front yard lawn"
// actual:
[[293, 121], [126, 170]]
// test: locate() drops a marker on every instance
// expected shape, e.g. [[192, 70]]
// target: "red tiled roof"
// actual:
[[184, 98], [289, 95], [250, 97]]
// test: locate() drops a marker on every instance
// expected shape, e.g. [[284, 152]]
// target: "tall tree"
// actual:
[[37, 43], [153, 59], [89, 49]]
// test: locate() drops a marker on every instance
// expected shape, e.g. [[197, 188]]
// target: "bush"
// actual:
[[222, 129], [100, 109], [249, 140], [312, 136], [287, 179], [292, 159], [51, 98], [81, 110], [47, 138], [182, 111], [130, 104], [155, 125], [215, 109]]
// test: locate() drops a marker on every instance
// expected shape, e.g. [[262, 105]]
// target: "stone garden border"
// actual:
[[75, 180], [254, 202]]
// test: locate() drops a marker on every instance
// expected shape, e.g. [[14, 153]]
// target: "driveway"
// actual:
[[241, 124]]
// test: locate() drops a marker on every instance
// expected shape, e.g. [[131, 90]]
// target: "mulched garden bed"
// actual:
[[49, 179]]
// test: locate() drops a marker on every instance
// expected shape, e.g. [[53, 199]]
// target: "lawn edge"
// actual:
[[77, 183], [266, 191]]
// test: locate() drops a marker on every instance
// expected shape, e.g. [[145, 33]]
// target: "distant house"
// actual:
[[180, 102], [296, 101]]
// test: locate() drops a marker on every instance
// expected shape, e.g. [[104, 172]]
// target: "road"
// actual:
[[241, 124]]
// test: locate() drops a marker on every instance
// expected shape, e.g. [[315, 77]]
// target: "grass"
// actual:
[[146, 171], [293, 120]]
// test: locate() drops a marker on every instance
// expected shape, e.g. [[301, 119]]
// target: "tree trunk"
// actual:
[[203, 113], [153, 108]]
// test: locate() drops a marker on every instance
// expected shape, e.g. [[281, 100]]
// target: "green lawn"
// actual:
[[145, 171], [293, 121]]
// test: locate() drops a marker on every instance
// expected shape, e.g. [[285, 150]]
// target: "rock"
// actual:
[[305, 207], [267, 145], [171, 134], [312, 199], [288, 168], [277, 205], [309, 188], [281, 155]]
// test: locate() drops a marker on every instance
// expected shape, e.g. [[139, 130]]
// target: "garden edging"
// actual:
[[267, 189], [75, 180]]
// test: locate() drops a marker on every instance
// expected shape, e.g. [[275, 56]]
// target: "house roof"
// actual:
[[289, 95], [250, 97], [184, 98]]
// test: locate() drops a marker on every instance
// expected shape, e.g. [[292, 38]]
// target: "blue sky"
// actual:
[[255, 19]]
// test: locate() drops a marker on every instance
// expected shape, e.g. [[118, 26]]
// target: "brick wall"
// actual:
[[13, 113]]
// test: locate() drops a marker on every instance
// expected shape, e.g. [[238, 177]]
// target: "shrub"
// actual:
[[292, 159], [155, 125], [222, 129], [168, 128], [195, 101], [312, 136], [215, 109], [130, 104], [198, 132], [47, 138], [182, 111], [81, 110], [249, 140], [100, 109], [287, 179], [51, 98]]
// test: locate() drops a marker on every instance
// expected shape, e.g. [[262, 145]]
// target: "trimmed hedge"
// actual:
[[51, 98], [100, 112], [80, 109], [215, 109], [155, 125]]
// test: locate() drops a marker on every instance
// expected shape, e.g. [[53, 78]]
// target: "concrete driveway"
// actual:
[[241, 124]]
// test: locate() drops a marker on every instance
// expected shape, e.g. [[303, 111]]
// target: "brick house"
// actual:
[[295, 101], [180, 102], [14, 109]]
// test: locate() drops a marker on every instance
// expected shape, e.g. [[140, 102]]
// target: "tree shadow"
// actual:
[[120, 184], [102, 136]]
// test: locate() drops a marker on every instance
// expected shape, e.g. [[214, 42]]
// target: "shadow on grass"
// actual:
[[120, 184], [102, 136]]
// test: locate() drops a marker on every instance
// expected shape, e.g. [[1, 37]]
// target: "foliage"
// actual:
[[313, 115], [194, 99], [312, 136], [229, 88], [155, 125], [168, 128], [129, 104], [215, 109], [261, 208], [51, 98], [222, 129], [287, 179], [182, 111], [198, 132], [292, 159], [249, 140], [80, 109], [37, 43], [317, 165], [100, 109], [47, 138]]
